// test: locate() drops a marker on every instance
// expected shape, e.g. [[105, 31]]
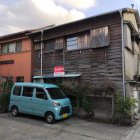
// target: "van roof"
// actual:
[[43, 85]]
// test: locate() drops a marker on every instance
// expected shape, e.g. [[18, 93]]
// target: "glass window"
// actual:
[[20, 79], [56, 93], [12, 47], [72, 43], [37, 46], [17, 90], [28, 91], [49, 45], [4, 48], [40, 93], [79, 42], [19, 46]]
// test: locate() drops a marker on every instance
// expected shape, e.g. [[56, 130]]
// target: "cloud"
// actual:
[[30, 14], [78, 4], [50, 8]]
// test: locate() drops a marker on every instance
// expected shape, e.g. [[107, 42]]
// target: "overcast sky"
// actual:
[[18, 15]]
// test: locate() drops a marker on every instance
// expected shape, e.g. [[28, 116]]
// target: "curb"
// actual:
[[129, 134]]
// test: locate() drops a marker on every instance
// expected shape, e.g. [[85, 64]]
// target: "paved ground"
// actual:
[[28, 128], [134, 134]]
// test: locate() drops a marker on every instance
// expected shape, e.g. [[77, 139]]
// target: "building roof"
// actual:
[[15, 34], [86, 19]]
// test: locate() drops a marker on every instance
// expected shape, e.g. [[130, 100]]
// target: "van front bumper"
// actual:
[[62, 112]]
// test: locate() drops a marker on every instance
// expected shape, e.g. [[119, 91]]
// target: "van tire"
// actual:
[[49, 117], [14, 111]]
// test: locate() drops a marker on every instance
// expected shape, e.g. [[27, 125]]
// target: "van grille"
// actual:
[[64, 110]]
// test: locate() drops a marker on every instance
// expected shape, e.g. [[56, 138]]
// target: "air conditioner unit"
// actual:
[[137, 78]]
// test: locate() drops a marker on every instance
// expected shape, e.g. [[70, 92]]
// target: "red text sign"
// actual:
[[59, 71]]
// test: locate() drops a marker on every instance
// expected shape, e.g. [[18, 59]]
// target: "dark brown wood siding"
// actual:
[[95, 64]]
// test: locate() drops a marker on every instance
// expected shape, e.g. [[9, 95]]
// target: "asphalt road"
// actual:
[[27, 127]]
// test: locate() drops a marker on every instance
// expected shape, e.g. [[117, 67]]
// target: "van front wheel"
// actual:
[[14, 111], [49, 118]]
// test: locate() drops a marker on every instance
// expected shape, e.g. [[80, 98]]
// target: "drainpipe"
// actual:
[[41, 54], [123, 55]]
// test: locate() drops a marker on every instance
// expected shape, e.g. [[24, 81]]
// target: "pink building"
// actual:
[[16, 57]]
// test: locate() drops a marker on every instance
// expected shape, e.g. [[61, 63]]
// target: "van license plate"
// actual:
[[65, 115]]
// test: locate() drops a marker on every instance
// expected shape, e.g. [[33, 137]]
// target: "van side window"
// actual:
[[27, 91], [17, 90], [40, 93]]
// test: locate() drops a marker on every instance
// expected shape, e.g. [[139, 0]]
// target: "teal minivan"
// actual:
[[45, 100]]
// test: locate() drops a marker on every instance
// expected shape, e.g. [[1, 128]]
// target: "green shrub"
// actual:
[[86, 105], [4, 101], [124, 108]]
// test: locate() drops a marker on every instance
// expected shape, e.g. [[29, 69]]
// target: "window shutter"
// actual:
[[83, 41], [99, 37], [59, 44], [49, 45]]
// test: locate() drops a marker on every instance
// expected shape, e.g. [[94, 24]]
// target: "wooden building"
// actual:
[[92, 51]]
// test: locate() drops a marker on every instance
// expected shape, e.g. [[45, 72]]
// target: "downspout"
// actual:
[[123, 55], [41, 55]]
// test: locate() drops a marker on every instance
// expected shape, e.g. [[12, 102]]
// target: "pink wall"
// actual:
[[22, 63]]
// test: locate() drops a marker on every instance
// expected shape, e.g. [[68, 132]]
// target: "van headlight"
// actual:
[[56, 104]]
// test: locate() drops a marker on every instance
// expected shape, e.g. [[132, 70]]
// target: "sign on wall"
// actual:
[[59, 71]]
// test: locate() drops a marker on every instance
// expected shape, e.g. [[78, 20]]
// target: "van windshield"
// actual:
[[56, 93]]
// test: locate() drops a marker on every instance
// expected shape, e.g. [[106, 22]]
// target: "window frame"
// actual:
[[18, 42], [55, 96], [2, 46], [24, 95], [37, 45], [12, 47], [20, 80], [83, 41], [49, 43], [8, 47], [42, 92], [73, 44], [20, 90]]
